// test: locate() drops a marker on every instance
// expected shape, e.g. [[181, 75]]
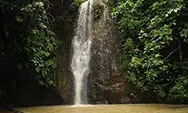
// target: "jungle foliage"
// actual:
[[35, 37], [27, 39], [154, 36]]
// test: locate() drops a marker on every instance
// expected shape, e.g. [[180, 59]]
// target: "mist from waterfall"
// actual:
[[81, 52]]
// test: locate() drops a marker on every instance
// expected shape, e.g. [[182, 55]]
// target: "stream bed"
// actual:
[[129, 108]]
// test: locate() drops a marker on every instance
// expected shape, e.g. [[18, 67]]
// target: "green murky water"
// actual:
[[137, 108]]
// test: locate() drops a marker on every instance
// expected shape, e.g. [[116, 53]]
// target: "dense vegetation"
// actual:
[[34, 36], [27, 39], [154, 36], [27, 49]]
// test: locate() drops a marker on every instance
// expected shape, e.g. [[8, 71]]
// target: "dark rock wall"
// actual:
[[20, 88], [65, 14], [105, 84]]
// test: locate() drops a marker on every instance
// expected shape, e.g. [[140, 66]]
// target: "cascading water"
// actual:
[[81, 52]]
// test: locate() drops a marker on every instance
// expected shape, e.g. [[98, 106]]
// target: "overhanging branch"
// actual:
[[171, 53]]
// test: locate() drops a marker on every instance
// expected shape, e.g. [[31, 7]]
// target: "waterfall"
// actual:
[[81, 52]]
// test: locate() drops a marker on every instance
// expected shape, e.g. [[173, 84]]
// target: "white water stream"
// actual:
[[81, 52]]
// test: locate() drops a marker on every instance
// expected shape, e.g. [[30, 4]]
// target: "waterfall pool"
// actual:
[[129, 108]]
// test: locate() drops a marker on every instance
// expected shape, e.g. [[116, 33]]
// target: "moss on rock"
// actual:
[[97, 11], [78, 2]]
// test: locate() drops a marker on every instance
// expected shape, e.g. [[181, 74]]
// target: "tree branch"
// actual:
[[180, 50], [171, 53]]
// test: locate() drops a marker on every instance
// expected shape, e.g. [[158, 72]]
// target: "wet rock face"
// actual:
[[65, 20], [105, 83]]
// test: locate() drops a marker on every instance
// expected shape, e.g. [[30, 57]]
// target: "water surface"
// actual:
[[137, 108]]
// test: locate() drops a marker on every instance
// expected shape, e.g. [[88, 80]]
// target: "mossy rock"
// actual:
[[97, 11], [78, 2], [108, 2]]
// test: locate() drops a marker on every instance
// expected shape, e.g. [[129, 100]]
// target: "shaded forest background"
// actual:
[[35, 33], [154, 47], [33, 37]]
